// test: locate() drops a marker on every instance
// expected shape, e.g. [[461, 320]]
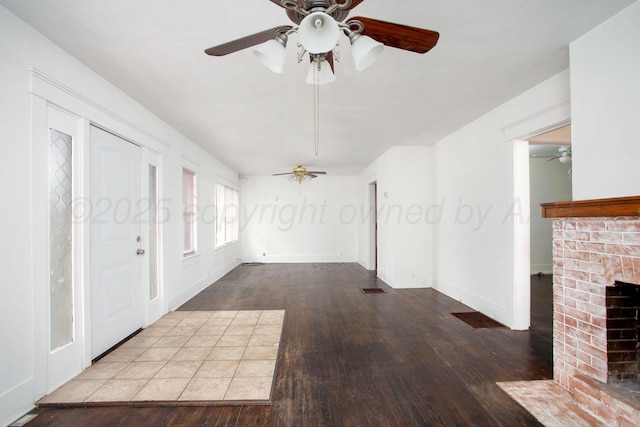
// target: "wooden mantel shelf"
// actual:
[[620, 206]]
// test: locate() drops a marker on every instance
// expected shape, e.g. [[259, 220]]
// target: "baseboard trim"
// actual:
[[199, 286], [16, 402]]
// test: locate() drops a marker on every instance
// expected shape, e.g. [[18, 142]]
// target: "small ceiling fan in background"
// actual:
[[319, 24], [563, 156], [300, 173]]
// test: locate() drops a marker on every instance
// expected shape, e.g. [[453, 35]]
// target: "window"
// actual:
[[226, 215], [189, 212], [153, 233], [60, 238]]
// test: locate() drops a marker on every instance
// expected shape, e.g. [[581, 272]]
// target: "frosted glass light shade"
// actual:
[[318, 33], [365, 51], [272, 55], [325, 73]]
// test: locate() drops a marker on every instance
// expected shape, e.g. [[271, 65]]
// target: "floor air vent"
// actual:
[[373, 291]]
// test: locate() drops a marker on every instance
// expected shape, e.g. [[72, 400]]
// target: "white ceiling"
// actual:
[[258, 122]]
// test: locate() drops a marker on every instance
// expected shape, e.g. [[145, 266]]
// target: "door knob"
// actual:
[[140, 252]]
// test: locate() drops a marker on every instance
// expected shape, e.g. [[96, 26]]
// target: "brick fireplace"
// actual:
[[592, 258], [596, 285]]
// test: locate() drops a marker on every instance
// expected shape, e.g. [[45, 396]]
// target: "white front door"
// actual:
[[116, 294]]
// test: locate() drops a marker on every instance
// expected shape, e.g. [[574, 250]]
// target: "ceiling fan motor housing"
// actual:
[[317, 6]]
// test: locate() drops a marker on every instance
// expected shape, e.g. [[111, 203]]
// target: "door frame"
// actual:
[[373, 225], [517, 135], [46, 91]]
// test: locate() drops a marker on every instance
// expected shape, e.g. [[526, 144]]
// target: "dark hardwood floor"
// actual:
[[353, 359]]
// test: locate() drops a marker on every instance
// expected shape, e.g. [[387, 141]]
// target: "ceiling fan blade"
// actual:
[[317, 172], [277, 2], [557, 156], [285, 173], [245, 42], [312, 175], [399, 36]]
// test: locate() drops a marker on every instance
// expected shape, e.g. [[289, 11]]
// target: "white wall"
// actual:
[[549, 182], [474, 167], [16, 290], [62, 80], [405, 213], [185, 277], [605, 93], [313, 221]]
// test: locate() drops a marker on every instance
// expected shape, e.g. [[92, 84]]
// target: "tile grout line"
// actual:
[[201, 363], [226, 392]]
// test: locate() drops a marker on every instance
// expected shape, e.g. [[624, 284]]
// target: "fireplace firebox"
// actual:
[[623, 348]]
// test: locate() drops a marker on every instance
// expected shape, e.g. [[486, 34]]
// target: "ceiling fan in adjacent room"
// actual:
[[563, 156], [300, 173], [319, 24]]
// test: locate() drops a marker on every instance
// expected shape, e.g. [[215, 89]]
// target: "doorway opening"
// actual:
[[549, 181], [373, 226], [518, 135]]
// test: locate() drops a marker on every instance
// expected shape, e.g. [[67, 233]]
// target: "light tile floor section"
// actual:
[[186, 356], [550, 403]]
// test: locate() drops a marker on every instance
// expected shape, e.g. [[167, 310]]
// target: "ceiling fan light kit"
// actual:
[[563, 156], [272, 54], [365, 51], [318, 33], [320, 73]]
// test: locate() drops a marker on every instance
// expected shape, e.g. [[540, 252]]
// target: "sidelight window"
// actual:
[[189, 212], [60, 239]]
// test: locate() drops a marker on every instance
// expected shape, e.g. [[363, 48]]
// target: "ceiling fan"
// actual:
[[300, 173], [564, 155], [319, 24]]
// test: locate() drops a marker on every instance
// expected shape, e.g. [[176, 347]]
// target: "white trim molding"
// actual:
[[549, 119], [58, 93]]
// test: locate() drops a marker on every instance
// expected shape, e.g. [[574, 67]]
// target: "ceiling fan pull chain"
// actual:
[[316, 105]]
